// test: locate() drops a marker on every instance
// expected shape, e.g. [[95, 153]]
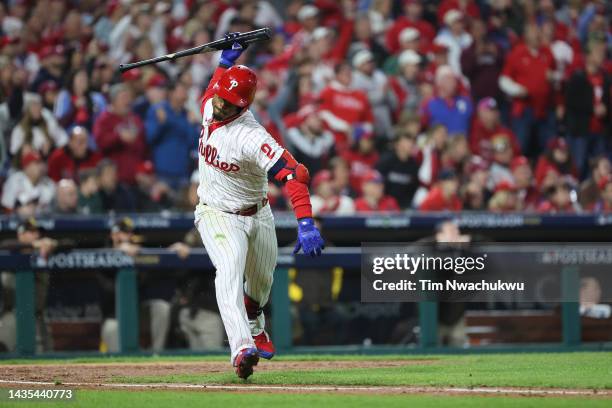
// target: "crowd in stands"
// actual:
[[437, 105]]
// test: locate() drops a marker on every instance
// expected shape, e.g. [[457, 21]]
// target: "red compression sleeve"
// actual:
[[300, 199], [296, 178]]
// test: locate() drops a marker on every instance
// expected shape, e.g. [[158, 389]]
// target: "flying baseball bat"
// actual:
[[263, 34]]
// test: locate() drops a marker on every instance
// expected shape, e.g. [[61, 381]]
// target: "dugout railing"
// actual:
[[164, 228], [26, 266]]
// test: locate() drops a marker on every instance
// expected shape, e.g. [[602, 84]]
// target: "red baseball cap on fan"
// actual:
[[518, 162], [505, 185], [29, 158], [321, 177], [237, 85], [145, 167], [372, 176]]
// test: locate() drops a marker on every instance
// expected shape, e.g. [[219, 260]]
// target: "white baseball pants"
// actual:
[[244, 252]]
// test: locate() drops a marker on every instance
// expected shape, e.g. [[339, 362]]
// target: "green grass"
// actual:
[[558, 370], [192, 399]]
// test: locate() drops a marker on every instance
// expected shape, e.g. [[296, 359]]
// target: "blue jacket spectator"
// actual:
[[172, 137], [449, 108]]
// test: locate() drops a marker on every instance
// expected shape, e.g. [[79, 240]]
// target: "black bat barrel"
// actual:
[[263, 34]]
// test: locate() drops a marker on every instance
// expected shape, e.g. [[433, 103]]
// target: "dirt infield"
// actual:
[[100, 377], [104, 373]]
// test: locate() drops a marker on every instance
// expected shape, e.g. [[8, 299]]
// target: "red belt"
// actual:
[[252, 210]]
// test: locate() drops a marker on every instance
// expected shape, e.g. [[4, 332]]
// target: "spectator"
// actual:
[[503, 23], [38, 130], [119, 134], [443, 196], [48, 91], [475, 191], [604, 204], [486, 127], [151, 194], [26, 205], [526, 78], [557, 159], [558, 198], [330, 48], [89, 201], [114, 195], [344, 109], [308, 18], [406, 85], [309, 142], [78, 105], [373, 198], [448, 107], [502, 160], [341, 172], [504, 198], [413, 17], [437, 56], [399, 169], [67, 197], [52, 60], [456, 154], [374, 83], [589, 189], [454, 37], [468, 8], [528, 196], [327, 201], [172, 138], [431, 146], [409, 40], [156, 92], [365, 38], [30, 180], [588, 108], [66, 162], [481, 63], [361, 158]]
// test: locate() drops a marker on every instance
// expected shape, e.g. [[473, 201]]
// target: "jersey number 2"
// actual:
[[267, 150]]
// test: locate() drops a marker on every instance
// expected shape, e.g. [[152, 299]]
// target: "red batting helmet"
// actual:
[[237, 85]]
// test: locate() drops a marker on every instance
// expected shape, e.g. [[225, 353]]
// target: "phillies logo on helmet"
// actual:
[[233, 84]]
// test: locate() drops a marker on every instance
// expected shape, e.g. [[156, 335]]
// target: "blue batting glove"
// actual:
[[309, 238], [229, 56]]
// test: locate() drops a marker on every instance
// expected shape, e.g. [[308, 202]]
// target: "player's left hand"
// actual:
[[229, 56], [309, 238]]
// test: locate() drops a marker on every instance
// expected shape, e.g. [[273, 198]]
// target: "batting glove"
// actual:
[[309, 238], [229, 56]]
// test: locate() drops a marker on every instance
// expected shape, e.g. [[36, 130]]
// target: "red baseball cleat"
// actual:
[[265, 347], [245, 361]]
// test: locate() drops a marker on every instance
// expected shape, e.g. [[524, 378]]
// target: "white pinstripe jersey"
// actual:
[[234, 160]]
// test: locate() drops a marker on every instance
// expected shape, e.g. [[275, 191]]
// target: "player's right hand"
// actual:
[[309, 238], [229, 56]]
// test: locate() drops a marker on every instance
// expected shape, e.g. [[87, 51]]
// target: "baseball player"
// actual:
[[236, 157]]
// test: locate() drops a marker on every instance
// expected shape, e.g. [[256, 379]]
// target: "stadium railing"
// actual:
[[25, 267]]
